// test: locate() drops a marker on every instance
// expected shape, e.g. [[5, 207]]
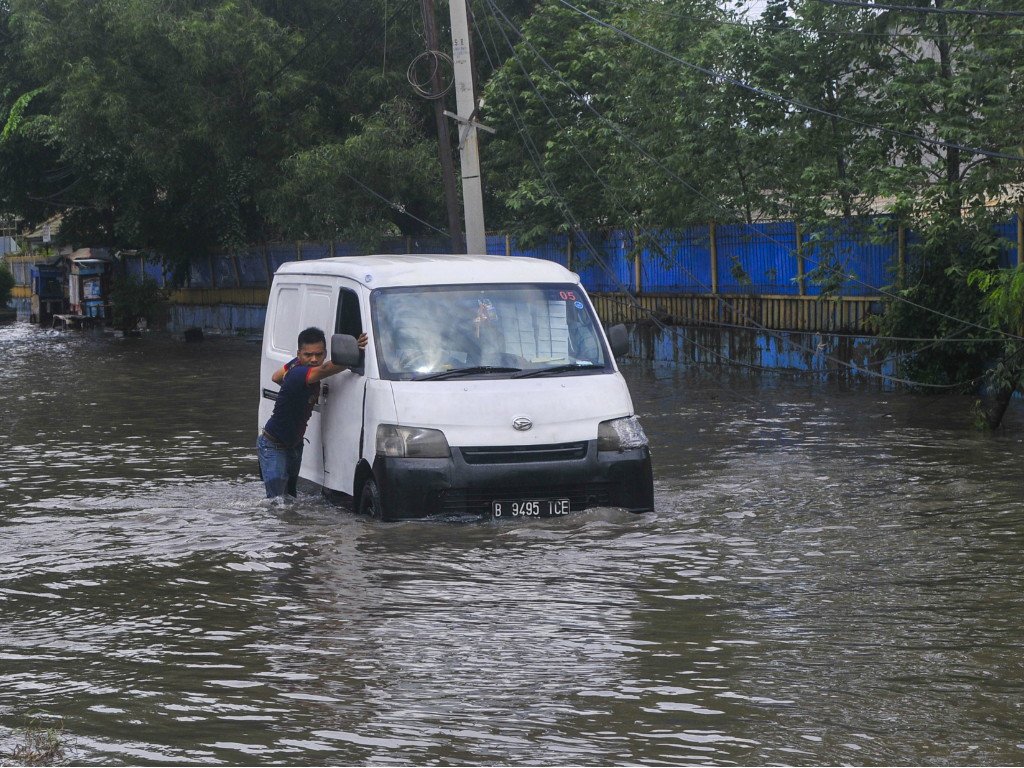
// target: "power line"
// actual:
[[400, 208], [295, 99], [815, 352], [805, 31], [783, 99], [922, 9], [309, 43], [731, 214]]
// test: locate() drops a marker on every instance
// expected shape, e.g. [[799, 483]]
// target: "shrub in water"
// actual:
[[6, 284], [134, 300]]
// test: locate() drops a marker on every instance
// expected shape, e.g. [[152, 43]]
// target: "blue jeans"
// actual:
[[280, 467]]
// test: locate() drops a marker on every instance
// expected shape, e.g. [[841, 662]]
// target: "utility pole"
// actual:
[[451, 194], [466, 103]]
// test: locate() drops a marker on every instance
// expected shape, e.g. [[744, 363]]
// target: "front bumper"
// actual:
[[416, 488]]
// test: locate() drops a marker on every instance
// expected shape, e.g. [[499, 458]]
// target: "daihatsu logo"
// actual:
[[521, 423]]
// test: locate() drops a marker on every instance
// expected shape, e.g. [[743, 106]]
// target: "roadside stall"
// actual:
[[90, 272], [47, 281]]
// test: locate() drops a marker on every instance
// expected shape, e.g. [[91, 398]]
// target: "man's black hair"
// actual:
[[312, 336]]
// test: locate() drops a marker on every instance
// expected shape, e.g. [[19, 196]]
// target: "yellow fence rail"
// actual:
[[213, 296], [781, 313]]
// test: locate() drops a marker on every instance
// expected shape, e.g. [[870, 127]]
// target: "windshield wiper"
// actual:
[[467, 372], [559, 369]]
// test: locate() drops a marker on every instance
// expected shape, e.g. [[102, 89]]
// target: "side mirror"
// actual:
[[345, 351], [618, 338]]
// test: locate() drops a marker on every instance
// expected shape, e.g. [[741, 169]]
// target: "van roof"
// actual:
[[384, 271]]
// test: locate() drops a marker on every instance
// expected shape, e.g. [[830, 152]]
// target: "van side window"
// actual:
[[286, 320], [349, 320]]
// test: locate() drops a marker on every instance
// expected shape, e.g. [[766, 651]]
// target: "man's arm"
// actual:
[[330, 369], [278, 376]]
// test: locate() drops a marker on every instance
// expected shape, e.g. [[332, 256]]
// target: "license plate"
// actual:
[[530, 508]]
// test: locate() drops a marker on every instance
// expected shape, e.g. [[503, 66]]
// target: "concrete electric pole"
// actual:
[[451, 194], [466, 103]]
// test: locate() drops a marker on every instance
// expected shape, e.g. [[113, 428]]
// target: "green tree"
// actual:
[[1004, 307], [937, 278], [954, 79], [31, 175], [134, 300], [6, 284], [173, 123], [318, 199]]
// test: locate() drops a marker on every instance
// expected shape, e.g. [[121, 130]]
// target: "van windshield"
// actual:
[[507, 330]]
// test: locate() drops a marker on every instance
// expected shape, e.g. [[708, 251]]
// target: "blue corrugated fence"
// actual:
[[759, 259]]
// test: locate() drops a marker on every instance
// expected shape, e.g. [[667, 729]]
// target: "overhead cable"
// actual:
[[400, 208], [643, 8], [295, 99], [922, 9], [309, 43]]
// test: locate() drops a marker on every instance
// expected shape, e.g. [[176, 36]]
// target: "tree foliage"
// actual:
[[6, 284], [392, 149], [135, 299], [176, 126]]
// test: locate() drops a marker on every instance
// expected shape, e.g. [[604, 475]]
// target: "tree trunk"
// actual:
[[840, 161], [952, 155], [746, 198], [993, 405]]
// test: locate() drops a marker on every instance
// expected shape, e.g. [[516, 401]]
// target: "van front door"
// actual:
[[342, 406], [316, 313]]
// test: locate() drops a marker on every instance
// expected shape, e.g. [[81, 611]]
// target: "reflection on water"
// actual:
[[831, 578]]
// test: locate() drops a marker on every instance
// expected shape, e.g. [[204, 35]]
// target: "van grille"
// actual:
[[519, 454], [477, 501]]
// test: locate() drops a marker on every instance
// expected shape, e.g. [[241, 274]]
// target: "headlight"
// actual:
[[620, 435], [411, 442]]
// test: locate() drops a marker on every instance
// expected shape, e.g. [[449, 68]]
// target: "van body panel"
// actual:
[[341, 406], [378, 407], [432, 269], [298, 302], [480, 412], [342, 399]]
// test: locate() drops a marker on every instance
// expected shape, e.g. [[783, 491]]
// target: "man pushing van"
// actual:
[[280, 444]]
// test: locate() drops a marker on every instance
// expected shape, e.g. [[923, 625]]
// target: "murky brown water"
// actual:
[[833, 578]]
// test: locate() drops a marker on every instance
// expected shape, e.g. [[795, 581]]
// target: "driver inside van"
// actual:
[[280, 444]]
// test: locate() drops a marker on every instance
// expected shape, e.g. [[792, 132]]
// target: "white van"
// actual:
[[488, 388]]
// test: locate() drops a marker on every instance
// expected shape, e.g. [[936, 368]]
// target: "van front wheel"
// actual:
[[369, 500]]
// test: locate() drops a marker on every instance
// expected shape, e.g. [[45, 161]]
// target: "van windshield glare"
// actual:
[[496, 330]]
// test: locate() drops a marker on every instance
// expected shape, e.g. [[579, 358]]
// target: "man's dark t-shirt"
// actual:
[[294, 406]]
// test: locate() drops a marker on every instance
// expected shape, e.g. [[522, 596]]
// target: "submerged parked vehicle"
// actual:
[[488, 388]]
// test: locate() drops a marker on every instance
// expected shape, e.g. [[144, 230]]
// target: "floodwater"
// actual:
[[831, 576]]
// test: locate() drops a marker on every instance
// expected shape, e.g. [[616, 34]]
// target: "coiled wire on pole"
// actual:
[[436, 58]]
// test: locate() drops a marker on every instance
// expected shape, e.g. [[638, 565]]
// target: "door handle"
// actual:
[[326, 391]]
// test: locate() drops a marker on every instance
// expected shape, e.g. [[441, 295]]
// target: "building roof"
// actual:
[[433, 269], [53, 221], [83, 255]]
